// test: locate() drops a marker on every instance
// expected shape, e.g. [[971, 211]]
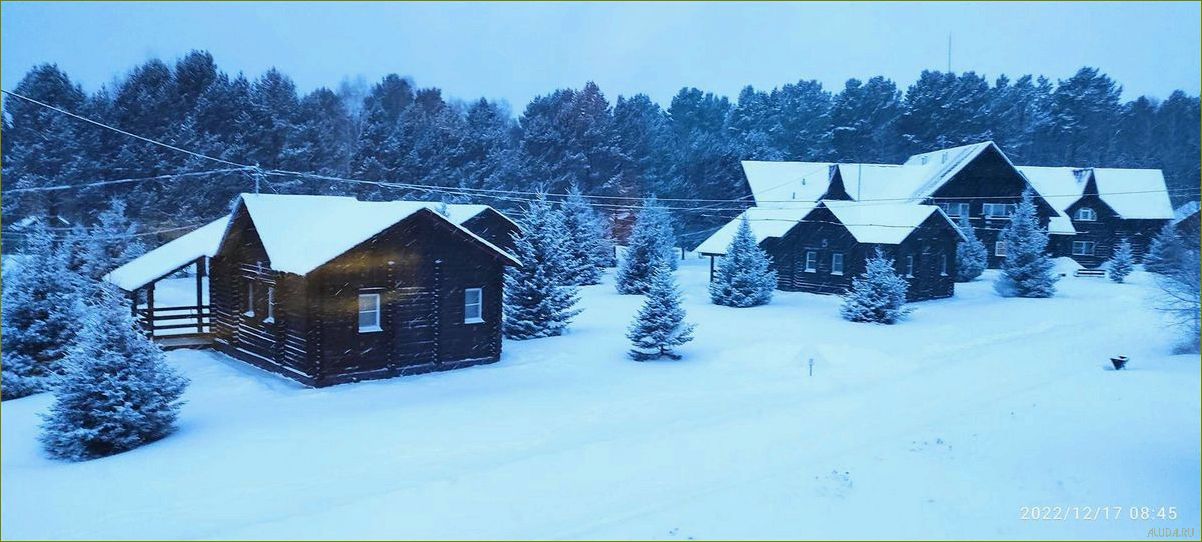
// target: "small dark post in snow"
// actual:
[[811, 366]]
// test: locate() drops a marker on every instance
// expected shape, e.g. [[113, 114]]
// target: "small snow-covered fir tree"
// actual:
[[538, 303], [1122, 261], [650, 246], [1165, 252], [1027, 269], [117, 391], [112, 241], [585, 235], [40, 307], [971, 255], [1181, 301], [878, 295], [659, 326], [744, 277]]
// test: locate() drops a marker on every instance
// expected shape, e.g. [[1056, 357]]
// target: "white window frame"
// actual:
[[836, 263], [468, 305], [943, 265], [250, 299], [811, 261], [909, 266], [999, 249], [1086, 214], [1008, 210], [270, 305], [371, 328], [956, 208], [1091, 245]]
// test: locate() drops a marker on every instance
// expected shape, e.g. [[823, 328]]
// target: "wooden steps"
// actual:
[[1089, 273]]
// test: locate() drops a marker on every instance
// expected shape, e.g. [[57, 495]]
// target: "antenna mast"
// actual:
[[949, 52]]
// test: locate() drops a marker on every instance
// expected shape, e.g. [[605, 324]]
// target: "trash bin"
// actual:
[[1119, 362]]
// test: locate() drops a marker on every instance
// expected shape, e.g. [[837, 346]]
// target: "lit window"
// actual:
[[250, 299], [473, 306], [999, 249], [910, 265], [811, 261], [837, 263], [1087, 214], [270, 305], [943, 265], [369, 313], [1083, 248]]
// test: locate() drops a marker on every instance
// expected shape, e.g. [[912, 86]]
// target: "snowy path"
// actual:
[[941, 427]]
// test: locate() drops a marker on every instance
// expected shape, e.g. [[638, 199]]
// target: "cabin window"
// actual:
[[837, 263], [811, 261], [270, 305], [999, 249], [999, 210], [1085, 213], [250, 299], [956, 209], [910, 265], [943, 265], [369, 313], [473, 305], [1083, 248]]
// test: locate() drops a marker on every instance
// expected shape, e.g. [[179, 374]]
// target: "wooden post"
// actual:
[[150, 310], [133, 304], [711, 268], [200, 273]]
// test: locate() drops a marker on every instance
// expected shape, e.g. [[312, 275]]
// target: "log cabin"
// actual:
[[820, 249], [1103, 206], [326, 290], [1187, 220]]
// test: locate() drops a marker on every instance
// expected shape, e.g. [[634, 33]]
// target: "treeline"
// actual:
[[395, 131]]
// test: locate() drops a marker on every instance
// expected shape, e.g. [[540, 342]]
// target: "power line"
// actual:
[[168, 176], [120, 131]]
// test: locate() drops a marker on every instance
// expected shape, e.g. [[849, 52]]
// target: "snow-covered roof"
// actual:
[[1061, 225], [944, 164], [787, 184], [299, 232], [1185, 211], [887, 224], [1132, 193], [764, 223], [149, 267]]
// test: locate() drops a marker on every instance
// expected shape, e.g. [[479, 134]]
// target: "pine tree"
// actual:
[[112, 241], [1121, 262], [1165, 252], [878, 295], [117, 392], [40, 314], [585, 235], [650, 246], [744, 277], [1026, 270], [971, 255], [659, 326], [538, 303]]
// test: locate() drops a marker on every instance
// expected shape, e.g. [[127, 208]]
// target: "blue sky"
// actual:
[[514, 51]]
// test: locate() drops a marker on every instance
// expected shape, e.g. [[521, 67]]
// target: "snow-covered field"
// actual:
[[944, 426]]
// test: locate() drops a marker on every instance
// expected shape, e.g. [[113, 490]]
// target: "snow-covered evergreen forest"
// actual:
[[400, 130]]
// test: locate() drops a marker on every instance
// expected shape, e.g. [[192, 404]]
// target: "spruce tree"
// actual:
[[878, 295], [1027, 269], [40, 308], [584, 232], [659, 326], [744, 277], [112, 241], [1122, 261], [971, 255], [1165, 252], [117, 392], [538, 303], [650, 246]]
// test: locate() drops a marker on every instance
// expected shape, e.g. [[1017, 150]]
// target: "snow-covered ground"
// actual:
[[944, 426]]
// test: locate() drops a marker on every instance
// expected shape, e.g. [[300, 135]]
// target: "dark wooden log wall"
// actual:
[[491, 226]]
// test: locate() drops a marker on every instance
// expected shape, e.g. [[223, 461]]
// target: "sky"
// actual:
[[515, 51]]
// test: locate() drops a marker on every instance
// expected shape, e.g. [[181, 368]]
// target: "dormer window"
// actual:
[[1085, 213]]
